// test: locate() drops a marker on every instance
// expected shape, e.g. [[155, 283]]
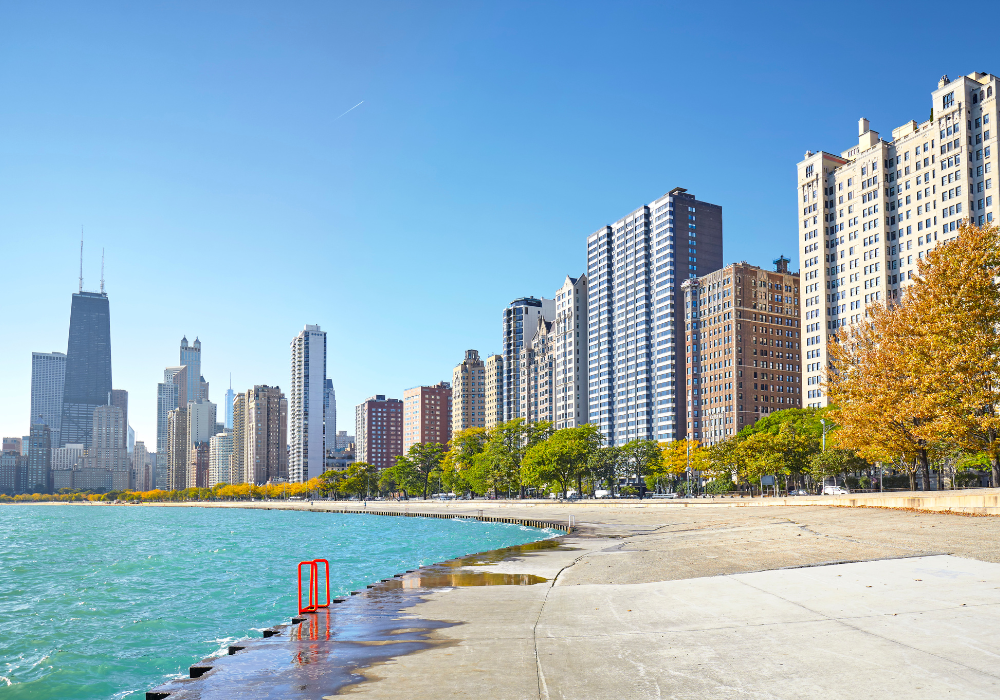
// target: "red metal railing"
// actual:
[[314, 601]]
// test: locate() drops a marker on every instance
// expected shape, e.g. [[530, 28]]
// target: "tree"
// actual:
[[360, 479], [835, 462], [500, 461], [560, 459], [607, 464], [642, 457], [460, 463], [423, 460]]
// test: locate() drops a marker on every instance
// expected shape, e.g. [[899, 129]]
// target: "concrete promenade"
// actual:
[[695, 599]]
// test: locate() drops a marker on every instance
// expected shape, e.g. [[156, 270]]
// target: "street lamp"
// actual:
[[823, 422]]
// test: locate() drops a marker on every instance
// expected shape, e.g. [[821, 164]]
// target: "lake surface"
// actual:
[[107, 602]]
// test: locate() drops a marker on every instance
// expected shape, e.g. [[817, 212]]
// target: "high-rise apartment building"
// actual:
[[11, 471], [568, 354], [468, 394], [171, 393], [48, 376], [67, 458], [330, 413], [109, 450], [520, 321], [219, 456], [742, 348], [198, 464], [88, 366], [378, 426], [306, 406], [494, 391], [37, 475], [177, 450], [142, 467], [535, 393], [427, 415], [871, 212], [343, 441], [636, 343], [260, 436]]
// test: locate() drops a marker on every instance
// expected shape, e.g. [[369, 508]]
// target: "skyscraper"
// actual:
[[568, 349], [330, 411], [88, 366], [468, 393], [191, 358], [880, 212], [220, 453], [48, 376], [37, 472], [177, 451], [520, 321], [230, 395], [378, 424], [427, 412], [306, 405], [635, 309], [109, 450], [171, 393], [260, 436], [494, 390], [142, 467], [119, 398]]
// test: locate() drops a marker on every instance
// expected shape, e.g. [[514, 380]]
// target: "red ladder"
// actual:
[[314, 603]]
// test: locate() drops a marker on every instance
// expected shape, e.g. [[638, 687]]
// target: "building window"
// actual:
[[948, 100]]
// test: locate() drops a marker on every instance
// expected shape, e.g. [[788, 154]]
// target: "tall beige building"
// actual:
[[427, 415], [494, 390], [260, 436], [468, 393], [871, 212], [177, 450], [566, 346]]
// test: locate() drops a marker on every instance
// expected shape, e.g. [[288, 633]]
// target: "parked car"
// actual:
[[835, 491]]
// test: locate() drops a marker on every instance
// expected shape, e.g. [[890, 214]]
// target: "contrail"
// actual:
[[354, 107]]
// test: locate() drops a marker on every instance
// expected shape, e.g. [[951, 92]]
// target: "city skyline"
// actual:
[[129, 182]]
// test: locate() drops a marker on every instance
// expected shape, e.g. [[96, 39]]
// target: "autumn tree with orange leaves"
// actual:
[[923, 374]]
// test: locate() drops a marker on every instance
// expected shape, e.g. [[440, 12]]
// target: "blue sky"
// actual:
[[200, 145]]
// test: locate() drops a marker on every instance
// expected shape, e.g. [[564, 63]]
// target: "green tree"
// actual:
[[835, 462], [642, 458], [560, 459], [460, 471], [499, 465], [607, 465], [422, 461], [360, 479]]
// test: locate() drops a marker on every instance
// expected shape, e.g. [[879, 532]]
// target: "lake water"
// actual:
[[107, 602]]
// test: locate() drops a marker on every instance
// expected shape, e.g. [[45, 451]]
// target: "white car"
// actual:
[[835, 491]]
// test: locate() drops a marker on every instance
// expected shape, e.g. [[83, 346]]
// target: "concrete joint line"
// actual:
[[844, 622]]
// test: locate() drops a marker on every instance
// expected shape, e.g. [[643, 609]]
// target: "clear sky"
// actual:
[[202, 146]]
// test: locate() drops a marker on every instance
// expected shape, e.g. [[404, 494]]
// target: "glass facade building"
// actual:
[[88, 367]]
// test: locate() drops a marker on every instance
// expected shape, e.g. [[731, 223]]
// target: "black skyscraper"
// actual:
[[88, 366]]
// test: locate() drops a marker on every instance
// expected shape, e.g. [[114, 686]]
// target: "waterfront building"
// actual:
[[88, 366], [306, 406], [142, 468], [330, 413], [427, 415], [109, 450], [520, 319], [378, 426], [742, 348], [468, 394], [177, 450], [871, 212], [260, 436], [36, 477], [171, 393], [198, 464], [11, 469], [635, 310], [220, 453], [62, 479], [534, 395], [494, 391], [568, 354], [90, 479], [69, 457], [48, 377]]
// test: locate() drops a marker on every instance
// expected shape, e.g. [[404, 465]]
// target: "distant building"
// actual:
[[494, 390], [11, 444], [36, 477], [142, 468], [220, 453], [11, 468], [260, 436], [69, 457], [198, 464], [339, 460], [568, 352], [62, 479], [468, 393], [330, 412], [109, 449], [378, 425], [119, 398], [343, 440], [520, 319], [427, 415], [230, 395], [171, 393], [48, 377], [177, 450], [306, 405], [88, 367], [190, 357], [742, 358], [98, 480], [534, 394]]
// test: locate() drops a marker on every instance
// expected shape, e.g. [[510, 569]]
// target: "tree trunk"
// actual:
[[913, 476], [995, 471], [925, 470]]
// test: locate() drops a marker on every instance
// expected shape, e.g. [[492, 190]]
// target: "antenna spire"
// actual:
[[102, 270], [81, 258]]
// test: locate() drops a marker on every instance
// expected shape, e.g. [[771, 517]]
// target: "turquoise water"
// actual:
[[107, 602]]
